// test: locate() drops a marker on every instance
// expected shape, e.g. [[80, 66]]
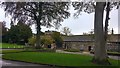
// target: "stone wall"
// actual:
[[86, 45], [78, 45], [74, 42]]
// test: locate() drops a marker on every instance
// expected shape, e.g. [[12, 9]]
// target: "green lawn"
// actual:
[[10, 51], [54, 58], [7, 45]]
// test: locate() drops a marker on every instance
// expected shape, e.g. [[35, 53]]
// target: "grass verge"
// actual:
[[59, 59], [10, 51], [7, 45]]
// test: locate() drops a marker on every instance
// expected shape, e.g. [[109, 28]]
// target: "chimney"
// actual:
[[112, 31]]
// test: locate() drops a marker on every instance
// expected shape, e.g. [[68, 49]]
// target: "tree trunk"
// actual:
[[100, 54], [38, 43], [38, 24], [106, 24], [106, 20]]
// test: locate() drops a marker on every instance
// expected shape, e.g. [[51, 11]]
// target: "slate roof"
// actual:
[[86, 38], [78, 38]]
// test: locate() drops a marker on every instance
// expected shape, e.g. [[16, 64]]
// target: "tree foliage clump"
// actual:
[[58, 39], [46, 40], [19, 33], [31, 40], [3, 31]]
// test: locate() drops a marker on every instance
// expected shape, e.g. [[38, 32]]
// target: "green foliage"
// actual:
[[19, 33], [25, 31], [58, 39], [13, 34], [46, 40], [32, 40], [3, 31]]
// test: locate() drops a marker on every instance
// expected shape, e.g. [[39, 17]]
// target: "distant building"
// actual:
[[78, 42], [86, 42], [113, 42], [49, 32]]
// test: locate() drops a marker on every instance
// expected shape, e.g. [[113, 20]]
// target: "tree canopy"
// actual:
[[19, 33], [3, 31], [57, 39], [30, 12]]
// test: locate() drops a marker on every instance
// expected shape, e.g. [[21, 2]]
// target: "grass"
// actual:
[[59, 59], [10, 51], [7, 45]]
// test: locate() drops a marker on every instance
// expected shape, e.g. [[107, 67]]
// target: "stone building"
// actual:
[[113, 42], [86, 42]]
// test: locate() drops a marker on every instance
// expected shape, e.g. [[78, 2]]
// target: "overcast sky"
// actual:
[[84, 23]]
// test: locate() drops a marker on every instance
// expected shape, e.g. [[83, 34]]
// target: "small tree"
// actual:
[[58, 39], [46, 40], [66, 31], [3, 31], [19, 33], [32, 40]]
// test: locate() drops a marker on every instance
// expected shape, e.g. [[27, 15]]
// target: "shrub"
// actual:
[[72, 50], [32, 40]]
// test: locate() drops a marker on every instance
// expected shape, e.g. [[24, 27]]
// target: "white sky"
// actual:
[[84, 23]]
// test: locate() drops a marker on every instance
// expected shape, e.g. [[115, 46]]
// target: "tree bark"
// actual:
[[106, 25], [100, 54], [38, 41], [106, 21], [38, 24]]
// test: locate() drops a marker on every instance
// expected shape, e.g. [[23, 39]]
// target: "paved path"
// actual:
[[87, 53], [17, 64]]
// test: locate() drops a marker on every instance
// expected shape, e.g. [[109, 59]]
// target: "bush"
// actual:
[[32, 49], [72, 50], [32, 40], [46, 50]]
